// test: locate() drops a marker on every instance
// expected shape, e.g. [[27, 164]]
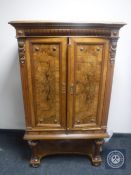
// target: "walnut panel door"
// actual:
[[47, 78], [88, 59]]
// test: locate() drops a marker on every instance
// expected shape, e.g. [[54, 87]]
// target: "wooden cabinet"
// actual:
[[66, 72]]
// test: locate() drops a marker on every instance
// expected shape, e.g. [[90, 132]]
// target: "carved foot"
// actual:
[[96, 161], [35, 159], [35, 162], [96, 157]]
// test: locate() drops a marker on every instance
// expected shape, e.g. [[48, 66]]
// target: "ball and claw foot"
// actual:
[[35, 162]]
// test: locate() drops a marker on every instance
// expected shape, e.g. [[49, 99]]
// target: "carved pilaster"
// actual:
[[21, 48], [113, 45]]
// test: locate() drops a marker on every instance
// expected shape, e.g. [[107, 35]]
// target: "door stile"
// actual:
[[70, 84]]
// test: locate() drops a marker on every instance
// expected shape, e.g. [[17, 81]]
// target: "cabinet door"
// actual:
[[46, 64], [88, 59]]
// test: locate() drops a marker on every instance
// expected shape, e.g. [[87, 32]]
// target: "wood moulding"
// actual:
[[42, 28], [29, 136]]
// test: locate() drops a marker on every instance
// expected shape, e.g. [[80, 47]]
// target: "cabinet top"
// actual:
[[48, 28], [30, 23]]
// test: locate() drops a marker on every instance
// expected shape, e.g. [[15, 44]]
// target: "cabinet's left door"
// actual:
[[45, 74]]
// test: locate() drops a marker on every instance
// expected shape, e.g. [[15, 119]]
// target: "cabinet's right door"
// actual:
[[87, 70]]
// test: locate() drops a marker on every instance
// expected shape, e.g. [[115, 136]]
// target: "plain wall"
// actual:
[[11, 102]]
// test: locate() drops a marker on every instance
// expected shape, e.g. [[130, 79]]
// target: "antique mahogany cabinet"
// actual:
[[66, 72]]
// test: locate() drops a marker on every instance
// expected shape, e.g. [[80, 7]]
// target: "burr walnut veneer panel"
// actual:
[[47, 60], [88, 71]]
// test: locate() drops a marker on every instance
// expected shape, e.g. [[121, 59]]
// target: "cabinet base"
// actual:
[[42, 148]]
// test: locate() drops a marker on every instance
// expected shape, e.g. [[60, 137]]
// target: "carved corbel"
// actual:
[[21, 47], [113, 46]]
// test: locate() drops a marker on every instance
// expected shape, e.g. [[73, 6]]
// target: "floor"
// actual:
[[15, 153]]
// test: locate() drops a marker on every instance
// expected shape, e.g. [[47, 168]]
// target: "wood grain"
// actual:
[[40, 149], [87, 73], [47, 62]]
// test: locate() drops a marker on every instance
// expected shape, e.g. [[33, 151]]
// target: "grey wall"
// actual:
[[11, 103]]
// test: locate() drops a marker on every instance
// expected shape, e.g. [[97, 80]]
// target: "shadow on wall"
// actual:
[[11, 95]]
